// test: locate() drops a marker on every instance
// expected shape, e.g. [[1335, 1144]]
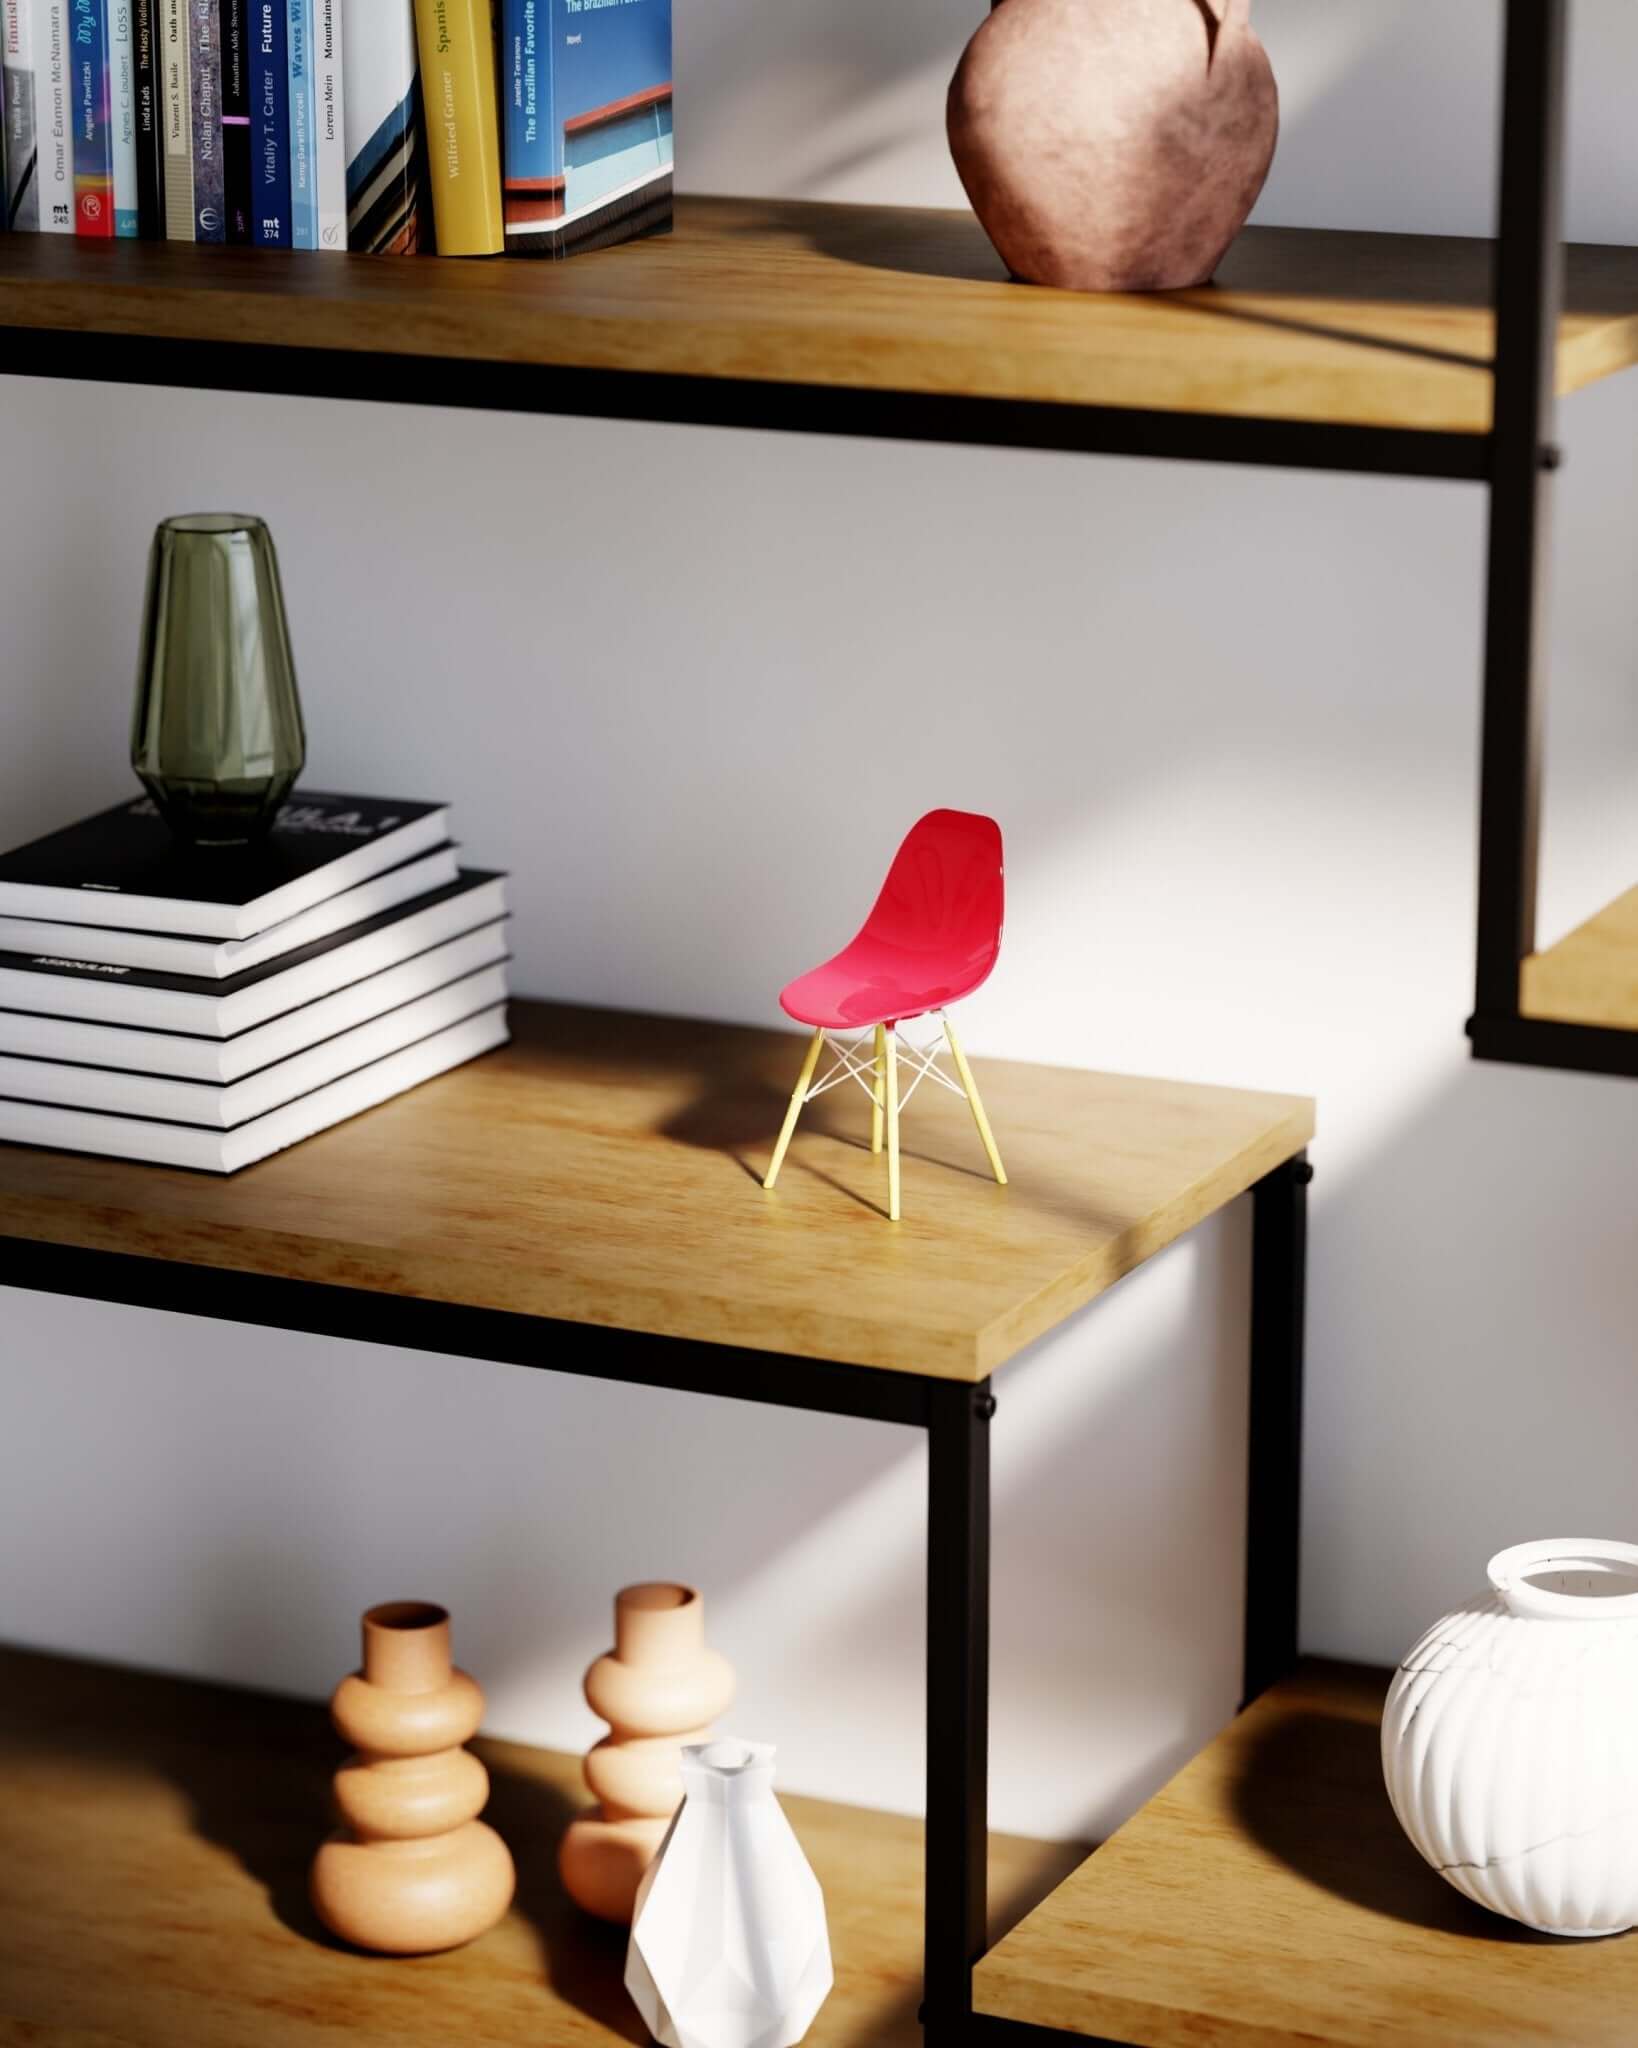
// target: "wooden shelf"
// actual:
[[154, 1843], [1267, 1899], [604, 1168], [1590, 977], [903, 318]]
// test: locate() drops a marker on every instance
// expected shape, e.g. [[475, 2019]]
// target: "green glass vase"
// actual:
[[217, 735]]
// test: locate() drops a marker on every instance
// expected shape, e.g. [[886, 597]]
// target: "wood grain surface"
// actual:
[[154, 1843], [605, 1168], [1267, 1899], [1590, 976], [1301, 324]]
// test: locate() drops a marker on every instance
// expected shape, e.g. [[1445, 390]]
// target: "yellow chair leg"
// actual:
[[878, 1089], [890, 1062], [798, 1096], [973, 1099]]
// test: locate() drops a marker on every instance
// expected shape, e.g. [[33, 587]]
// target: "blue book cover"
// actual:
[[304, 221], [93, 137], [270, 126], [586, 103]]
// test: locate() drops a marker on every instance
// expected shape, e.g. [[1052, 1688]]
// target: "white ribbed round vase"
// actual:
[[1510, 1739]]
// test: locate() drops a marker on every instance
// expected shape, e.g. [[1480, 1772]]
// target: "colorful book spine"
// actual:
[[22, 197], [205, 116], [463, 130], [236, 173], [53, 115], [149, 122], [587, 97], [270, 127], [330, 129], [93, 143], [386, 140], [122, 114], [176, 105], [303, 129]]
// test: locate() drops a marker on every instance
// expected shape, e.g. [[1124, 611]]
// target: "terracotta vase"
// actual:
[[412, 1868], [658, 1688], [1114, 145]]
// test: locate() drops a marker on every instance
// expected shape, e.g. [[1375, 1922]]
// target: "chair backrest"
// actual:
[[944, 896]]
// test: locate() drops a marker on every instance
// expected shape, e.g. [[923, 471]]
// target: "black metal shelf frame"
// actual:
[[956, 1416]]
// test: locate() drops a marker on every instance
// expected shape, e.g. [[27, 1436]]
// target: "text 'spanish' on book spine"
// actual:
[[586, 92], [149, 121], [53, 115], [236, 186], [176, 107], [303, 127], [386, 141], [270, 125], [93, 145], [463, 130], [22, 207], [122, 114], [205, 90], [329, 126]]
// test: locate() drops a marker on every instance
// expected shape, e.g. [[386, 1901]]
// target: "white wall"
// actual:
[[1229, 722]]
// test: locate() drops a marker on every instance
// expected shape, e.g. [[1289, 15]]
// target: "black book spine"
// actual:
[[150, 125], [236, 158]]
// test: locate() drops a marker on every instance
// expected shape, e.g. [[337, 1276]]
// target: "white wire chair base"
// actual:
[[877, 1073]]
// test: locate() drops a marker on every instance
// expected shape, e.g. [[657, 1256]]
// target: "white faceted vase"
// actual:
[[729, 1947], [1510, 1739]]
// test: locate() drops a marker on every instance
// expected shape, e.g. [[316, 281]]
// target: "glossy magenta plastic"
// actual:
[[932, 938]]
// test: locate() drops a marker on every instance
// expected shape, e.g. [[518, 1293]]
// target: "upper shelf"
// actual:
[[603, 1169], [1314, 347]]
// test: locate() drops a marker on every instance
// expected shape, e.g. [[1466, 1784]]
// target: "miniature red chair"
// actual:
[[932, 938]]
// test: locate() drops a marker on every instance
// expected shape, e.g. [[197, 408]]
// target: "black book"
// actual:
[[61, 986], [236, 166], [150, 124], [125, 867]]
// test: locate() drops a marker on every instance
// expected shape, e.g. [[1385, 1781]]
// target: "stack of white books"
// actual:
[[205, 1007]]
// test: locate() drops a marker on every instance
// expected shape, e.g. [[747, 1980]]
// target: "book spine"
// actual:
[[53, 116], [176, 103], [122, 114], [532, 171], [93, 148], [270, 126], [386, 138], [149, 122], [205, 118], [463, 129], [22, 200], [303, 196], [236, 177], [330, 129]]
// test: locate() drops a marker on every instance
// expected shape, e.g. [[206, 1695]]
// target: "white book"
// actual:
[[176, 103], [224, 1108], [122, 113], [22, 206], [208, 1151], [28, 1035], [218, 959], [329, 99], [63, 986], [53, 116]]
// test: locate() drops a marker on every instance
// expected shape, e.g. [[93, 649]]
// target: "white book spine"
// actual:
[[53, 116], [122, 113], [176, 104], [17, 81], [330, 104]]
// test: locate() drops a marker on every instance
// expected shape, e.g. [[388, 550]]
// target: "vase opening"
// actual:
[[213, 522], [1578, 1579], [656, 1599], [406, 1646], [407, 1614], [726, 1755]]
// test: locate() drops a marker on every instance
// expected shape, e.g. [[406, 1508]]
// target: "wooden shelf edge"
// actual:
[[1590, 977]]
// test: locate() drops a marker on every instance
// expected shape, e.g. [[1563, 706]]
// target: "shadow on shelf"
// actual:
[[1311, 1794]]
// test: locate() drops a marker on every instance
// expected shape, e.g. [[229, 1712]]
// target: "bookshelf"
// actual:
[[1329, 348]]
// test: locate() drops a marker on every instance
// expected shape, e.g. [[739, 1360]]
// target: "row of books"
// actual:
[[334, 124], [205, 1008]]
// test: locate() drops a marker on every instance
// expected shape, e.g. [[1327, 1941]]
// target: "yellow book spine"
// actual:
[[456, 39]]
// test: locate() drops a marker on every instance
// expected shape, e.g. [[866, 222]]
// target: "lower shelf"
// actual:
[[1590, 976], [1267, 1899], [154, 1842]]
